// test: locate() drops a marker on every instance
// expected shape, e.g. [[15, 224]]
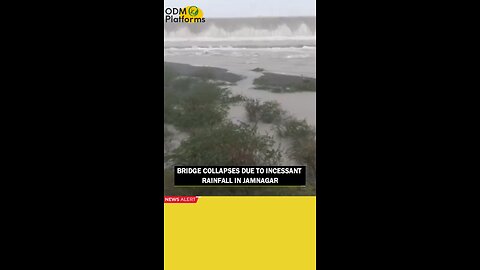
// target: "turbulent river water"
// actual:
[[278, 45]]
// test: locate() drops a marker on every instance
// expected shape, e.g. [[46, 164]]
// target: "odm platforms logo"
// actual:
[[188, 14]]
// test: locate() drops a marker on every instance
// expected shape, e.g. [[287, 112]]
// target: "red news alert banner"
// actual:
[[180, 199]]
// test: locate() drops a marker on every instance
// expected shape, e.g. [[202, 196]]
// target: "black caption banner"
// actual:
[[240, 176]]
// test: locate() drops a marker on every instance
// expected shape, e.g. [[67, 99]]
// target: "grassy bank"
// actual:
[[209, 73], [279, 83], [197, 102]]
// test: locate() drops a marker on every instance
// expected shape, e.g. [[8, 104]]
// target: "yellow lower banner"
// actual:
[[229, 233]]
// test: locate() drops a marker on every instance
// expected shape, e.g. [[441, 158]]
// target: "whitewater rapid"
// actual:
[[241, 31]]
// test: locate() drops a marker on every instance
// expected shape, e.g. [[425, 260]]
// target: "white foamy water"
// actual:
[[284, 60], [242, 29]]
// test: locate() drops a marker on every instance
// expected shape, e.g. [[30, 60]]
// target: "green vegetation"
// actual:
[[279, 83], [271, 112], [267, 112], [199, 107], [293, 128], [302, 136], [303, 150], [166, 134], [303, 142], [197, 104], [253, 109], [168, 75], [204, 73], [235, 99], [227, 144], [192, 103]]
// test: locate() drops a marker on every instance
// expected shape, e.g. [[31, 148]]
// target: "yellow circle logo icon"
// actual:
[[193, 14]]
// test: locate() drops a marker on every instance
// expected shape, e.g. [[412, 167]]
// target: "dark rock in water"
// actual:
[[258, 69], [212, 73], [279, 83]]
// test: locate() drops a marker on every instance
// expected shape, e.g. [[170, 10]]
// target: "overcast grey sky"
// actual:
[[248, 8]]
